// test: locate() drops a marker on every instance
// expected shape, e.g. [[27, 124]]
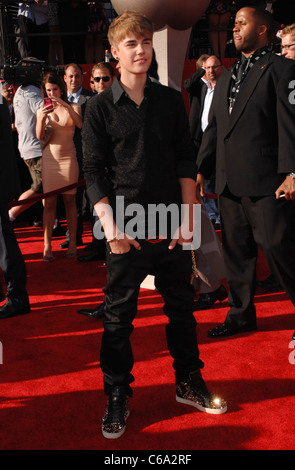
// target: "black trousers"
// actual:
[[246, 224], [11, 259], [125, 273], [32, 46], [74, 19]]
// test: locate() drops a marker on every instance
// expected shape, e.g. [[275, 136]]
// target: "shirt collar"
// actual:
[[77, 94], [209, 88], [255, 53], [119, 91]]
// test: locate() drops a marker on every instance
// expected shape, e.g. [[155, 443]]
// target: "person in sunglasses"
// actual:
[[102, 76]]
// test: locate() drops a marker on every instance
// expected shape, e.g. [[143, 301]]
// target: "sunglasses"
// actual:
[[104, 79]]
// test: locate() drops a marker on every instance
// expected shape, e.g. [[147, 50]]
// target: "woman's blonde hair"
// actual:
[[129, 22]]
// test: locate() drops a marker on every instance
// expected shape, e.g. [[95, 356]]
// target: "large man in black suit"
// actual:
[[11, 259], [252, 128]]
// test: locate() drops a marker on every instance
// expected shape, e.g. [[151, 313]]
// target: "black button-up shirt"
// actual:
[[138, 152]]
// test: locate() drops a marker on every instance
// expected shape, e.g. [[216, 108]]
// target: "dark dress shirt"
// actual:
[[138, 152]]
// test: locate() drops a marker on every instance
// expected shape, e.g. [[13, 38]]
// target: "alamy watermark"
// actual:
[[157, 220], [292, 353], [1, 96], [292, 94]]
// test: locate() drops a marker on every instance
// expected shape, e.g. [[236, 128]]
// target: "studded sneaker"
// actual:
[[116, 414], [196, 393]]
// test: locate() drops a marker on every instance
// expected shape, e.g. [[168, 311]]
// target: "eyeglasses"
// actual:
[[104, 79], [287, 46]]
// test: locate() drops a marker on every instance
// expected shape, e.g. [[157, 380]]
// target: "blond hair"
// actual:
[[289, 29], [129, 22], [103, 65], [201, 60]]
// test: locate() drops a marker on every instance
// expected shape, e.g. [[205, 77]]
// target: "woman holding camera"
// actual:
[[56, 122]]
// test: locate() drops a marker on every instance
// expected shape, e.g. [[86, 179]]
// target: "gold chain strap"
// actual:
[[194, 274]]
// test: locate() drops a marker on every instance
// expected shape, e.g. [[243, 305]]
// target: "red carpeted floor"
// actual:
[[51, 385]]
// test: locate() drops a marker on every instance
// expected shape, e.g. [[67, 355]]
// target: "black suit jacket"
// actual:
[[196, 89], [198, 132], [254, 146], [83, 98]]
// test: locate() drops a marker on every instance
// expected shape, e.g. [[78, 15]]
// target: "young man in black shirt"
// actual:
[[137, 149]]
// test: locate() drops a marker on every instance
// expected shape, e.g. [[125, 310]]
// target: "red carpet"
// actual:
[[51, 386]]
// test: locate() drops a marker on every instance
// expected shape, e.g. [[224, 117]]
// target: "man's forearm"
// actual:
[[188, 191], [105, 214]]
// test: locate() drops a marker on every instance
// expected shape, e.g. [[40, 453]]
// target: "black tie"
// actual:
[[241, 69]]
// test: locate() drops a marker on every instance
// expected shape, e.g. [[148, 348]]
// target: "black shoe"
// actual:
[[59, 230], [270, 283], [207, 300], [14, 308], [215, 224], [66, 243], [92, 256], [224, 330], [97, 312], [293, 337], [37, 223], [116, 414], [89, 247], [194, 392]]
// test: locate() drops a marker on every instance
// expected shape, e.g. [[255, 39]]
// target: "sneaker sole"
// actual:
[[19, 312], [115, 435], [213, 411]]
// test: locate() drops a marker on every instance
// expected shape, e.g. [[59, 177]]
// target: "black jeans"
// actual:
[[172, 270]]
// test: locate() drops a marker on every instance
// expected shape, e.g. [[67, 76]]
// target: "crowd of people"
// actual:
[[64, 31], [59, 32], [131, 137]]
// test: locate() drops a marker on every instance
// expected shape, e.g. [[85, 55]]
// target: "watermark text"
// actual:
[[155, 220], [292, 353], [292, 94]]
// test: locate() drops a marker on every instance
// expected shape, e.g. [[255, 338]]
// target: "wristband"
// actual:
[[116, 237]]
